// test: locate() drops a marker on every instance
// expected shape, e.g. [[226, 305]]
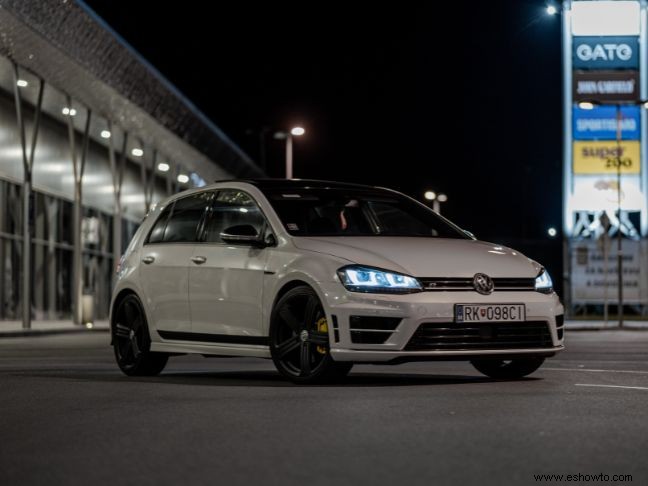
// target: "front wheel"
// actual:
[[299, 339], [131, 340], [507, 369]]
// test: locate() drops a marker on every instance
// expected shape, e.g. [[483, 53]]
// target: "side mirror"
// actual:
[[242, 234], [468, 233]]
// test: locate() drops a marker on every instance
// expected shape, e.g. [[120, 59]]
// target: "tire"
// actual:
[[132, 342], [507, 369], [299, 339]]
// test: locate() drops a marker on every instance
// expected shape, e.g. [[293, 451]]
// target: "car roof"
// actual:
[[263, 184]]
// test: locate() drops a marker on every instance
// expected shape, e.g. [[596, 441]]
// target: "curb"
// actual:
[[48, 332]]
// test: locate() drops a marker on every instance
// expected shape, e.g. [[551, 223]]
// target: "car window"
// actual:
[[342, 212], [232, 207], [393, 220], [185, 217], [157, 233]]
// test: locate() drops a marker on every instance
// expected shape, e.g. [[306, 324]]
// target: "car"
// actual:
[[320, 275]]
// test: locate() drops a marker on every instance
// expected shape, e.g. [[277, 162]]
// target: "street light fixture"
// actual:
[[436, 199], [293, 132], [551, 10]]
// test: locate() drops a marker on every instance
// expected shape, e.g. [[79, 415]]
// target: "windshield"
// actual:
[[343, 212]]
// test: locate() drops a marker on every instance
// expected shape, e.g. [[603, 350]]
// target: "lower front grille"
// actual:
[[450, 336], [372, 329]]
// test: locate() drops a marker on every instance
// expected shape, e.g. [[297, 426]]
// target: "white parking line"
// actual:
[[615, 386], [595, 371]]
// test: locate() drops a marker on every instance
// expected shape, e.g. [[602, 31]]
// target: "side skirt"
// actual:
[[214, 338], [192, 347]]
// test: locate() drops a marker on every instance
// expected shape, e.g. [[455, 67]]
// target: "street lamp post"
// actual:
[[294, 132], [436, 199], [619, 239]]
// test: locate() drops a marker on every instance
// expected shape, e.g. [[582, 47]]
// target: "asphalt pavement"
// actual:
[[68, 416]]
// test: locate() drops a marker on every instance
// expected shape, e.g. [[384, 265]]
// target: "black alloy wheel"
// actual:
[[507, 369], [131, 340], [299, 339]]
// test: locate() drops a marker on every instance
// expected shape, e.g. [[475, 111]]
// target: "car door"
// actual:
[[226, 280], [166, 257]]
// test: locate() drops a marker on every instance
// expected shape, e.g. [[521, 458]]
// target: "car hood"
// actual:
[[425, 257]]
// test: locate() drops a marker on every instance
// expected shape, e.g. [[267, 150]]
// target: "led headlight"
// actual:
[[365, 279], [543, 282]]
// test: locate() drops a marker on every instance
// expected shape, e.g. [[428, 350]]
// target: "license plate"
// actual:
[[490, 312]]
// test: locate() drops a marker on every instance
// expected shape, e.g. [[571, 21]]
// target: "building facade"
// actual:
[[91, 136]]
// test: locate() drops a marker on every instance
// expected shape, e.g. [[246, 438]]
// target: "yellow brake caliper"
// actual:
[[322, 326]]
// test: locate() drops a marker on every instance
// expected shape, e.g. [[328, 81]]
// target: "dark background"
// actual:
[[387, 97]]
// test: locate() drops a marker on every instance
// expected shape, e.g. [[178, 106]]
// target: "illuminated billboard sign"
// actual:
[[600, 123], [604, 157], [603, 60], [601, 193], [605, 179], [605, 17], [606, 86], [606, 52]]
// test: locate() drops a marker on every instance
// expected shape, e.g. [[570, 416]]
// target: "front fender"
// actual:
[[311, 268]]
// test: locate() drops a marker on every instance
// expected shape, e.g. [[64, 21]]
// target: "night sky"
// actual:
[[386, 98]]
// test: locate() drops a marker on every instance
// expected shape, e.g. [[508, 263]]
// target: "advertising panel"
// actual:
[[594, 272], [596, 52], [600, 123], [606, 86], [598, 157], [600, 193], [604, 17]]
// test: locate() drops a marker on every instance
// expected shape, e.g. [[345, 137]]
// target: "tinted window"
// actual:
[[157, 233], [343, 212], [232, 208], [392, 219], [185, 218]]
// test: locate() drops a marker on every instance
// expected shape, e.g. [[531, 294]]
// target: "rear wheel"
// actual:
[[507, 369], [131, 340], [299, 339]]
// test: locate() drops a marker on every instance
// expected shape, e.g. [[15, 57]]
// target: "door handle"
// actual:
[[148, 259], [198, 260]]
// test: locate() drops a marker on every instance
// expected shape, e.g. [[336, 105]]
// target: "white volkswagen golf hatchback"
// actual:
[[320, 275]]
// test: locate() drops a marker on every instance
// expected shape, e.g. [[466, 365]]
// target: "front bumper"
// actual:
[[395, 357], [416, 309]]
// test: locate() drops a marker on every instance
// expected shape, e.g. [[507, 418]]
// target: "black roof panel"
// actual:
[[301, 184]]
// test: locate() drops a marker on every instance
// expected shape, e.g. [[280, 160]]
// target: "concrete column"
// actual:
[[117, 171], [78, 166], [28, 162]]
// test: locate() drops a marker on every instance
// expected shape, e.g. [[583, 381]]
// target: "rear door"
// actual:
[[166, 257], [226, 280]]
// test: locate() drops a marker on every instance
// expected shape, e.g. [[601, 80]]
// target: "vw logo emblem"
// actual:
[[483, 283]]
